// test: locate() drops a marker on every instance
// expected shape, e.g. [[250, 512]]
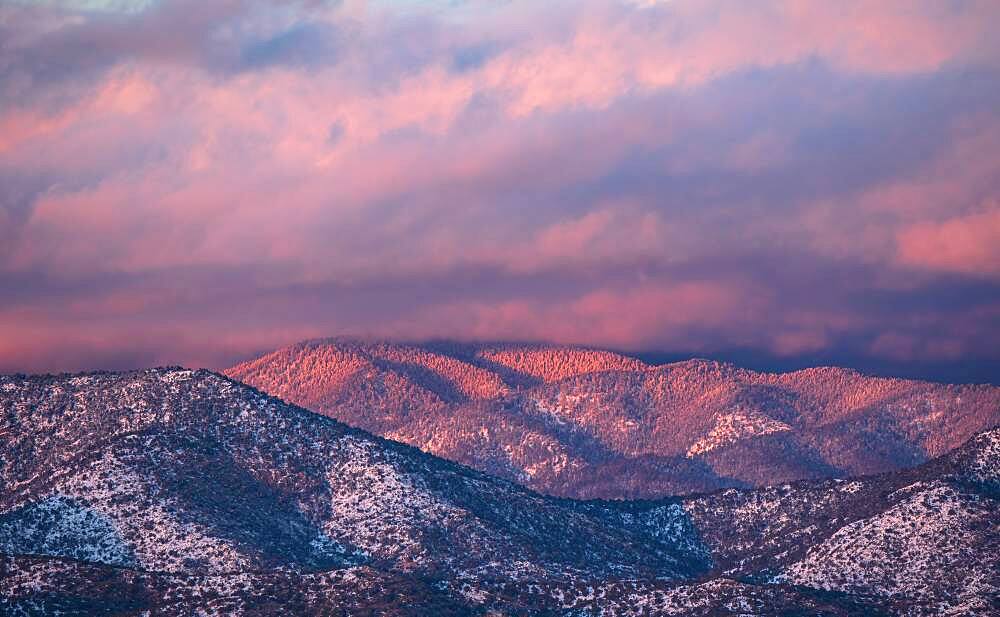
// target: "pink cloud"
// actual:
[[621, 171], [966, 244], [630, 316]]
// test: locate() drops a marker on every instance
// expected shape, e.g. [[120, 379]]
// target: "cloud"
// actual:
[[965, 244], [631, 174]]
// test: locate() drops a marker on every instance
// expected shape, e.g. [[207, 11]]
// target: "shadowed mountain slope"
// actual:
[[178, 471]]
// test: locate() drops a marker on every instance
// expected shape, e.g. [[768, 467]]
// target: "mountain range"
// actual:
[[179, 492], [589, 423]]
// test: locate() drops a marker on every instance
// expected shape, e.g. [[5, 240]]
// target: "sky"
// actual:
[[782, 183]]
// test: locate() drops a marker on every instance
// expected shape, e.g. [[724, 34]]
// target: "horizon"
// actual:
[[955, 374], [190, 183]]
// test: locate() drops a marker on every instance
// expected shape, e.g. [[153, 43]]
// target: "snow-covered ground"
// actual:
[[199, 492]]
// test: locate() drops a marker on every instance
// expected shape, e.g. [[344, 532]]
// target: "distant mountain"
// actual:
[[588, 423], [182, 492]]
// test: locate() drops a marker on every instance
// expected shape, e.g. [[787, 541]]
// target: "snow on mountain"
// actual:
[[926, 549], [730, 428], [181, 472], [924, 540], [180, 492]]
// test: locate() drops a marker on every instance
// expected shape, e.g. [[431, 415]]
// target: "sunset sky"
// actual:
[[776, 182]]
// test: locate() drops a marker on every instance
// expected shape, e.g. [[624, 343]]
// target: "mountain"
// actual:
[[113, 457], [177, 473], [926, 540], [588, 423], [177, 492]]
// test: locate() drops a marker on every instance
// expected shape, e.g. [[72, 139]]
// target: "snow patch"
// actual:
[[731, 428]]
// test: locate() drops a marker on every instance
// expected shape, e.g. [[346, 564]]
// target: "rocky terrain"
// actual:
[[177, 492], [586, 423]]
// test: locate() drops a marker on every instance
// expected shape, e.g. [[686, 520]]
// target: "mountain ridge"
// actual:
[[583, 422], [143, 427]]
